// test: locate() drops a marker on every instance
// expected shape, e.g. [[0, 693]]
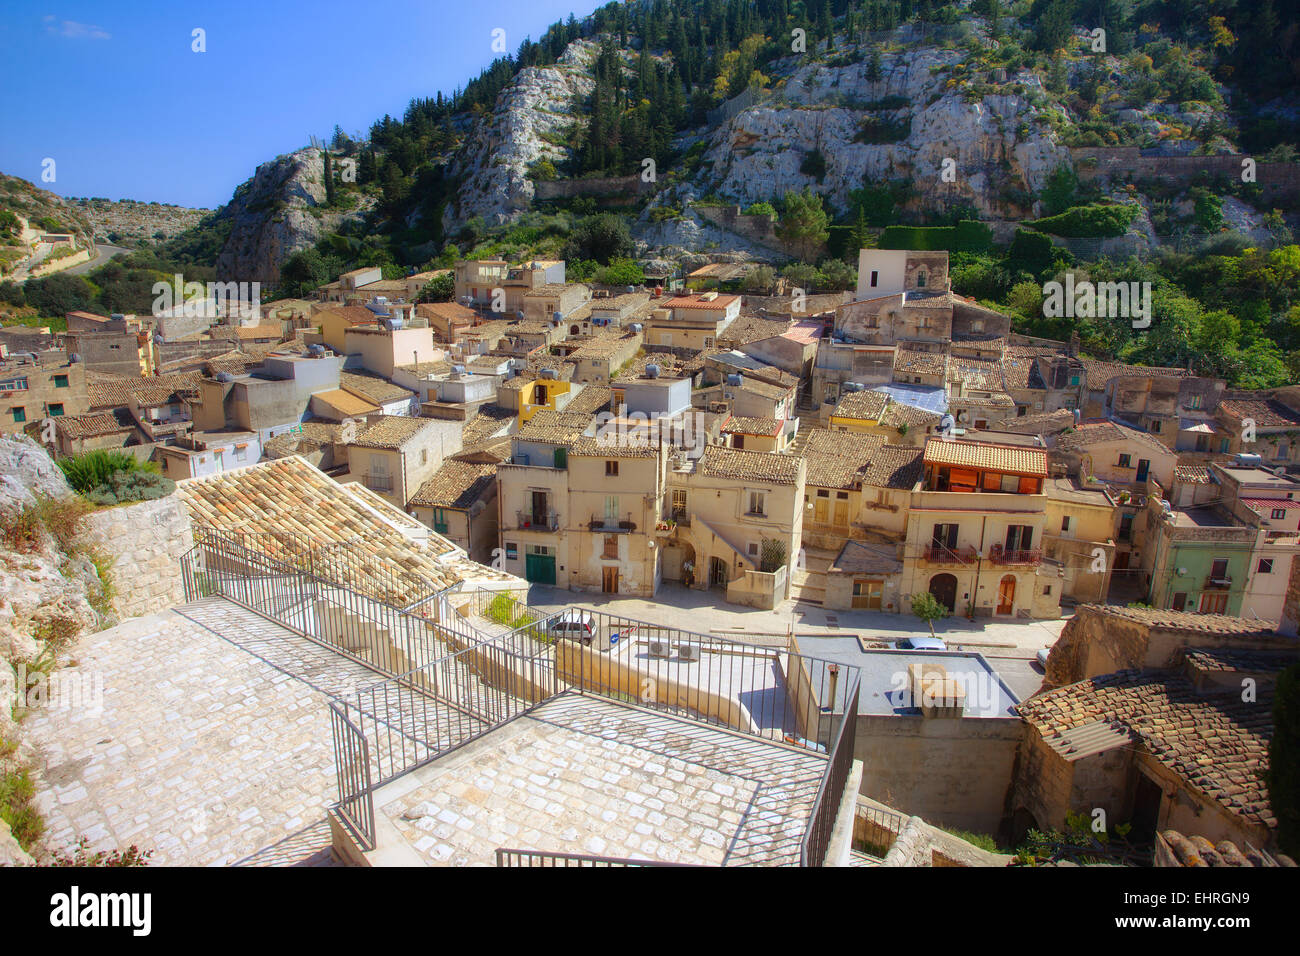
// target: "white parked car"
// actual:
[[921, 644], [575, 625]]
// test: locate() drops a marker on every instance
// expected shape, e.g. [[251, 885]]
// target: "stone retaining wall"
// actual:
[[146, 541]]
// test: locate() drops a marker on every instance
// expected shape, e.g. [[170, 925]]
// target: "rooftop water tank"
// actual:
[[548, 373], [316, 351], [635, 326], [652, 371], [225, 377], [458, 370], [734, 379]]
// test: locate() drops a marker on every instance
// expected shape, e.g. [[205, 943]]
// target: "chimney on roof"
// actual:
[[1074, 345]]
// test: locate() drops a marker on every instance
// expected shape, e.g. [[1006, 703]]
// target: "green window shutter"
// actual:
[[561, 458]]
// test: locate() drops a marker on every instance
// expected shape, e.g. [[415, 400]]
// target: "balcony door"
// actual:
[[539, 508], [945, 536]]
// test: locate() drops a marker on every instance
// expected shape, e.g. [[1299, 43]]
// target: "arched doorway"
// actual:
[[944, 589], [1007, 595]]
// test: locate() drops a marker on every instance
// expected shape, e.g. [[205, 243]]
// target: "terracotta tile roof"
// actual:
[[1224, 660], [1020, 371], [895, 466], [151, 390], [548, 425], [1185, 621], [900, 413], [637, 443], [1192, 474], [283, 504], [351, 314], [1010, 459], [862, 406], [1215, 742], [752, 328], [975, 373], [452, 312], [589, 401], [390, 431], [839, 459], [748, 425], [488, 422], [720, 462], [457, 484], [1267, 413], [1093, 432], [1262, 505], [1099, 372], [917, 362], [1197, 851], [93, 425], [374, 388]]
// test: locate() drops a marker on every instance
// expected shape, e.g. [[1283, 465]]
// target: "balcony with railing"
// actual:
[[608, 524], [537, 520], [937, 554], [1223, 583], [1015, 556]]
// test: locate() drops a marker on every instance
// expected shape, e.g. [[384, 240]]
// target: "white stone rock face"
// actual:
[[271, 217], [996, 144], [540, 102]]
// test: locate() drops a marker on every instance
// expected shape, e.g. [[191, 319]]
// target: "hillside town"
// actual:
[[663, 433], [608, 483]]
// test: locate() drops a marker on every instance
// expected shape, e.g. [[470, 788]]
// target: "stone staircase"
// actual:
[[808, 584]]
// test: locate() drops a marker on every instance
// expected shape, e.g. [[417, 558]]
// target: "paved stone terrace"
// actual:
[[584, 775], [213, 744]]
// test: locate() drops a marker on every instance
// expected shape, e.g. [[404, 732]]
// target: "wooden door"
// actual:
[[1007, 594]]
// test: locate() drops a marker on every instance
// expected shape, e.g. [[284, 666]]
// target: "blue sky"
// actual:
[[115, 95]]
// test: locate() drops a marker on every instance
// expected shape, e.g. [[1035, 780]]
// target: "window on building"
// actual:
[[424, 456], [1196, 401], [60, 381], [1074, 380], [20, 415], [921, 279], [1278, 514], [1155, 426], [1179, 602], [56, 409], [1265, 566], [611, 546], [752, 549], [1125, 461], [1065, 523], [611, 469], [875, 278], [1020, 537], [756, 502], [1047, 589]]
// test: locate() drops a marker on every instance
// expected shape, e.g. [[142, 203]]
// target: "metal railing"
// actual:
[[1218, 584], [507, 857], [536, 521], [447, 684], [830, 795], [940, 555], [356, 805], [1016, 556]]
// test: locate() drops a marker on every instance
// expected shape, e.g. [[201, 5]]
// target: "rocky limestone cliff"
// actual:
[[995, 142], [48, 596], [128, 219], [533, 116], [276, 213]]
